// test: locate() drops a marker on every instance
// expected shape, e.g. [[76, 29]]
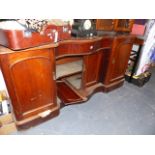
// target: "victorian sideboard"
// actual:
[[44, 79]]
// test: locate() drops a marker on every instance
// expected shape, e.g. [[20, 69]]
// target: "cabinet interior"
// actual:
[[69, 79], [70, 70]]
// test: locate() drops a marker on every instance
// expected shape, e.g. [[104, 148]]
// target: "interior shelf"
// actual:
[[75, 80], [69, 68]]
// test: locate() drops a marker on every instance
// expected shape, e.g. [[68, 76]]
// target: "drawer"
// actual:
[[80, 47], [75, 48]]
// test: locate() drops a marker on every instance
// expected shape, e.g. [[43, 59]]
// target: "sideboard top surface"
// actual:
[[5, 50]]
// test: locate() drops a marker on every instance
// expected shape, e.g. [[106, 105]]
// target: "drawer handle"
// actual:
[[91, 47]]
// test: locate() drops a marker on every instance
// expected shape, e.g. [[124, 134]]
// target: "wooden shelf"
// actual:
[[68, 68]]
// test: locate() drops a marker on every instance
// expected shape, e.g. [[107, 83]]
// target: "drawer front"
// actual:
[[76, 48], [70, 48]]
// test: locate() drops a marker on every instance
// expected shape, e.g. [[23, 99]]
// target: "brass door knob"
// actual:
[[91, 47]]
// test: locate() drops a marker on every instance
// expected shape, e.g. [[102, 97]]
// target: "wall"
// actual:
[[2, 83]]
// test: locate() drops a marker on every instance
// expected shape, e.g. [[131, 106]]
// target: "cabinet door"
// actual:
[[30, 82], [105, 24], [94, 67], [119, 59], [123, 25]]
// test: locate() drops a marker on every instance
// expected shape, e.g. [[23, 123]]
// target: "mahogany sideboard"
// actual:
[[38, 92]]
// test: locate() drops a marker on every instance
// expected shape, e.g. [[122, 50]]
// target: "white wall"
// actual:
[[2, 83]]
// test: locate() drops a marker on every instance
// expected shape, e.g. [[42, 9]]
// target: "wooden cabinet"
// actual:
[[118, 62], [105, 24], [29, 76], [123, 25]]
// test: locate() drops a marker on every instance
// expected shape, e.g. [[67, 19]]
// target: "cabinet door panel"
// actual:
[[119, 59], [30, 86], [92, 67], [29, 77]]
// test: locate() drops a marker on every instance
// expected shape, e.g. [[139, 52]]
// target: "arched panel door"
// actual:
[[120, 56], [30, 81]]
